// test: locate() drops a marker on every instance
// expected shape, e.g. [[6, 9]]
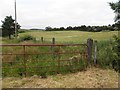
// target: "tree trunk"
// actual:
[[9, 36]]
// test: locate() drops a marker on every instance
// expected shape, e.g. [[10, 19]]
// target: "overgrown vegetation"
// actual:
[[108, 54], [43, 64], [107, 57], [26, 38]]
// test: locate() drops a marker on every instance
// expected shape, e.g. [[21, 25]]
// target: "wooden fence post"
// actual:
[[89, 49], [53, 41], [52, 47], [95, 51], [42, 39]]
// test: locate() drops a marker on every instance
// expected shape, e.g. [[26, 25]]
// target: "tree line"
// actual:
[[8, 25], [112, 27]]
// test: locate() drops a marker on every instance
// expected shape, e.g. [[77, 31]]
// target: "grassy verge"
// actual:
[[91, 78]]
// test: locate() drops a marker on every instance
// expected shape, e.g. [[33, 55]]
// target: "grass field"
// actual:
[[93, 77], [71, 36]]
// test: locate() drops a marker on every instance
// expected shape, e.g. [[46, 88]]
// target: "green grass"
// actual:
[[104, 53], [38, 64], [71, 36]]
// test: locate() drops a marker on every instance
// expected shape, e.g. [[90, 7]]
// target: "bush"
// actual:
[[26, 38], [108, 54], [21, 31], [116, 51]]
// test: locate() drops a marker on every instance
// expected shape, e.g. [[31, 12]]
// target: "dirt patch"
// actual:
[[92, 78]]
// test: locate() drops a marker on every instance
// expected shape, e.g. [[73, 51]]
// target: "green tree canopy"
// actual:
[[116, 8], [8, 27]]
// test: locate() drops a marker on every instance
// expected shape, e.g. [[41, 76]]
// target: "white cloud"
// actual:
[[56, 13]]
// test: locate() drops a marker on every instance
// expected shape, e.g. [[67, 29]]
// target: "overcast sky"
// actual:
[[57, 13]]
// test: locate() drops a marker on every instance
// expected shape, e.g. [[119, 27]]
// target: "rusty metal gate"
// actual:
[[42, 59]]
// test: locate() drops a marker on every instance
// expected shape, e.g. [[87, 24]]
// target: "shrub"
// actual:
[[116, 51], [22, 31], [26, 38], [108, 53]]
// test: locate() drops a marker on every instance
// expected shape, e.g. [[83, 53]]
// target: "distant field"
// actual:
[[71, 36]]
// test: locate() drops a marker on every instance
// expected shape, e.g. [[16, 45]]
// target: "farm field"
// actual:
[[71, 36], [91, 78]]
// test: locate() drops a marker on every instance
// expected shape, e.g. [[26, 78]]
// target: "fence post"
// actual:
[[52, 47], [95, 52], [42, 39], [24, 60], [89, 48], [53, 42], [58, 59]]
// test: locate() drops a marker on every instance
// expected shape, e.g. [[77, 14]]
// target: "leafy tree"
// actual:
[[116, 8], [116, 47], [116, 53], [62, 28], [69, 28], [83, 28], [48, 28], [8, 27]]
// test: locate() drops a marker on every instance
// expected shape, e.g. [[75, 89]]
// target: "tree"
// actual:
[[116, 8], [69, 28], [116, 47], [8, 27], [48, 28], [62, 28], [83, 28]]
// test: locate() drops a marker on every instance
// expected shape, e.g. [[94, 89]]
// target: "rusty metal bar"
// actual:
[[63, 60], [83, 55], [10, 62], [43, 44], [36, 66], [44, 53]]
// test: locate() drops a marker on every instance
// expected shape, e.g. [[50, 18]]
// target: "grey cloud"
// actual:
[[56, 13]]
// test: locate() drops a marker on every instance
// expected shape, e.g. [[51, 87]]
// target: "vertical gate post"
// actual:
[[58, 59], [24, 60], [89, 48], [95, 52]]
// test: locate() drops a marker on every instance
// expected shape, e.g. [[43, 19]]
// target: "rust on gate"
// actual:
[[58, 53]]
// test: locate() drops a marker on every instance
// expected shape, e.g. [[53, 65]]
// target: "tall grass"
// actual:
[[106, 56], [105, 53], [38, 64], [43, 64]]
